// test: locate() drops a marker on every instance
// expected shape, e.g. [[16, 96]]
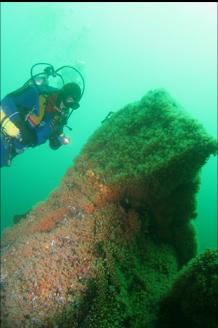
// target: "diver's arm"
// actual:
[[50, 130], [43, 132]]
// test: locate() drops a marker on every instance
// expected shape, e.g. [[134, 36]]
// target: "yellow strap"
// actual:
[[36, 119]]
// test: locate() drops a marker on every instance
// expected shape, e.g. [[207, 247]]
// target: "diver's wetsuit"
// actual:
[[37, 120]]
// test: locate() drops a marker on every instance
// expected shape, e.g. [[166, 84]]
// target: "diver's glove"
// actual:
[[8, 128]]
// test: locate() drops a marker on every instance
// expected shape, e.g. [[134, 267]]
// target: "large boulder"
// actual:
[[105, 248]]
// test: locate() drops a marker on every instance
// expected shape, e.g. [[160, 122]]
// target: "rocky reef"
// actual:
[[109, 247], [193, 299]]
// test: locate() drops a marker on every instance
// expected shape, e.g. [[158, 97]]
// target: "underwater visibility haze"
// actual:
[[145, 132], [123, 50]]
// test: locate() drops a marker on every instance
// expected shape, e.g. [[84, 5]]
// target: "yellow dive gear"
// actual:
[[36, 119], [7, 126]]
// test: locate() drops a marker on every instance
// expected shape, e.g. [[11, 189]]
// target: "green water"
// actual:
[[123, 50]]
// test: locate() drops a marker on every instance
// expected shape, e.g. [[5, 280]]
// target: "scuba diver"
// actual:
[[37, 112]]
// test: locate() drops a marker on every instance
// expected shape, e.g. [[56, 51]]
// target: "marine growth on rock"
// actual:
[[107, 246]]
